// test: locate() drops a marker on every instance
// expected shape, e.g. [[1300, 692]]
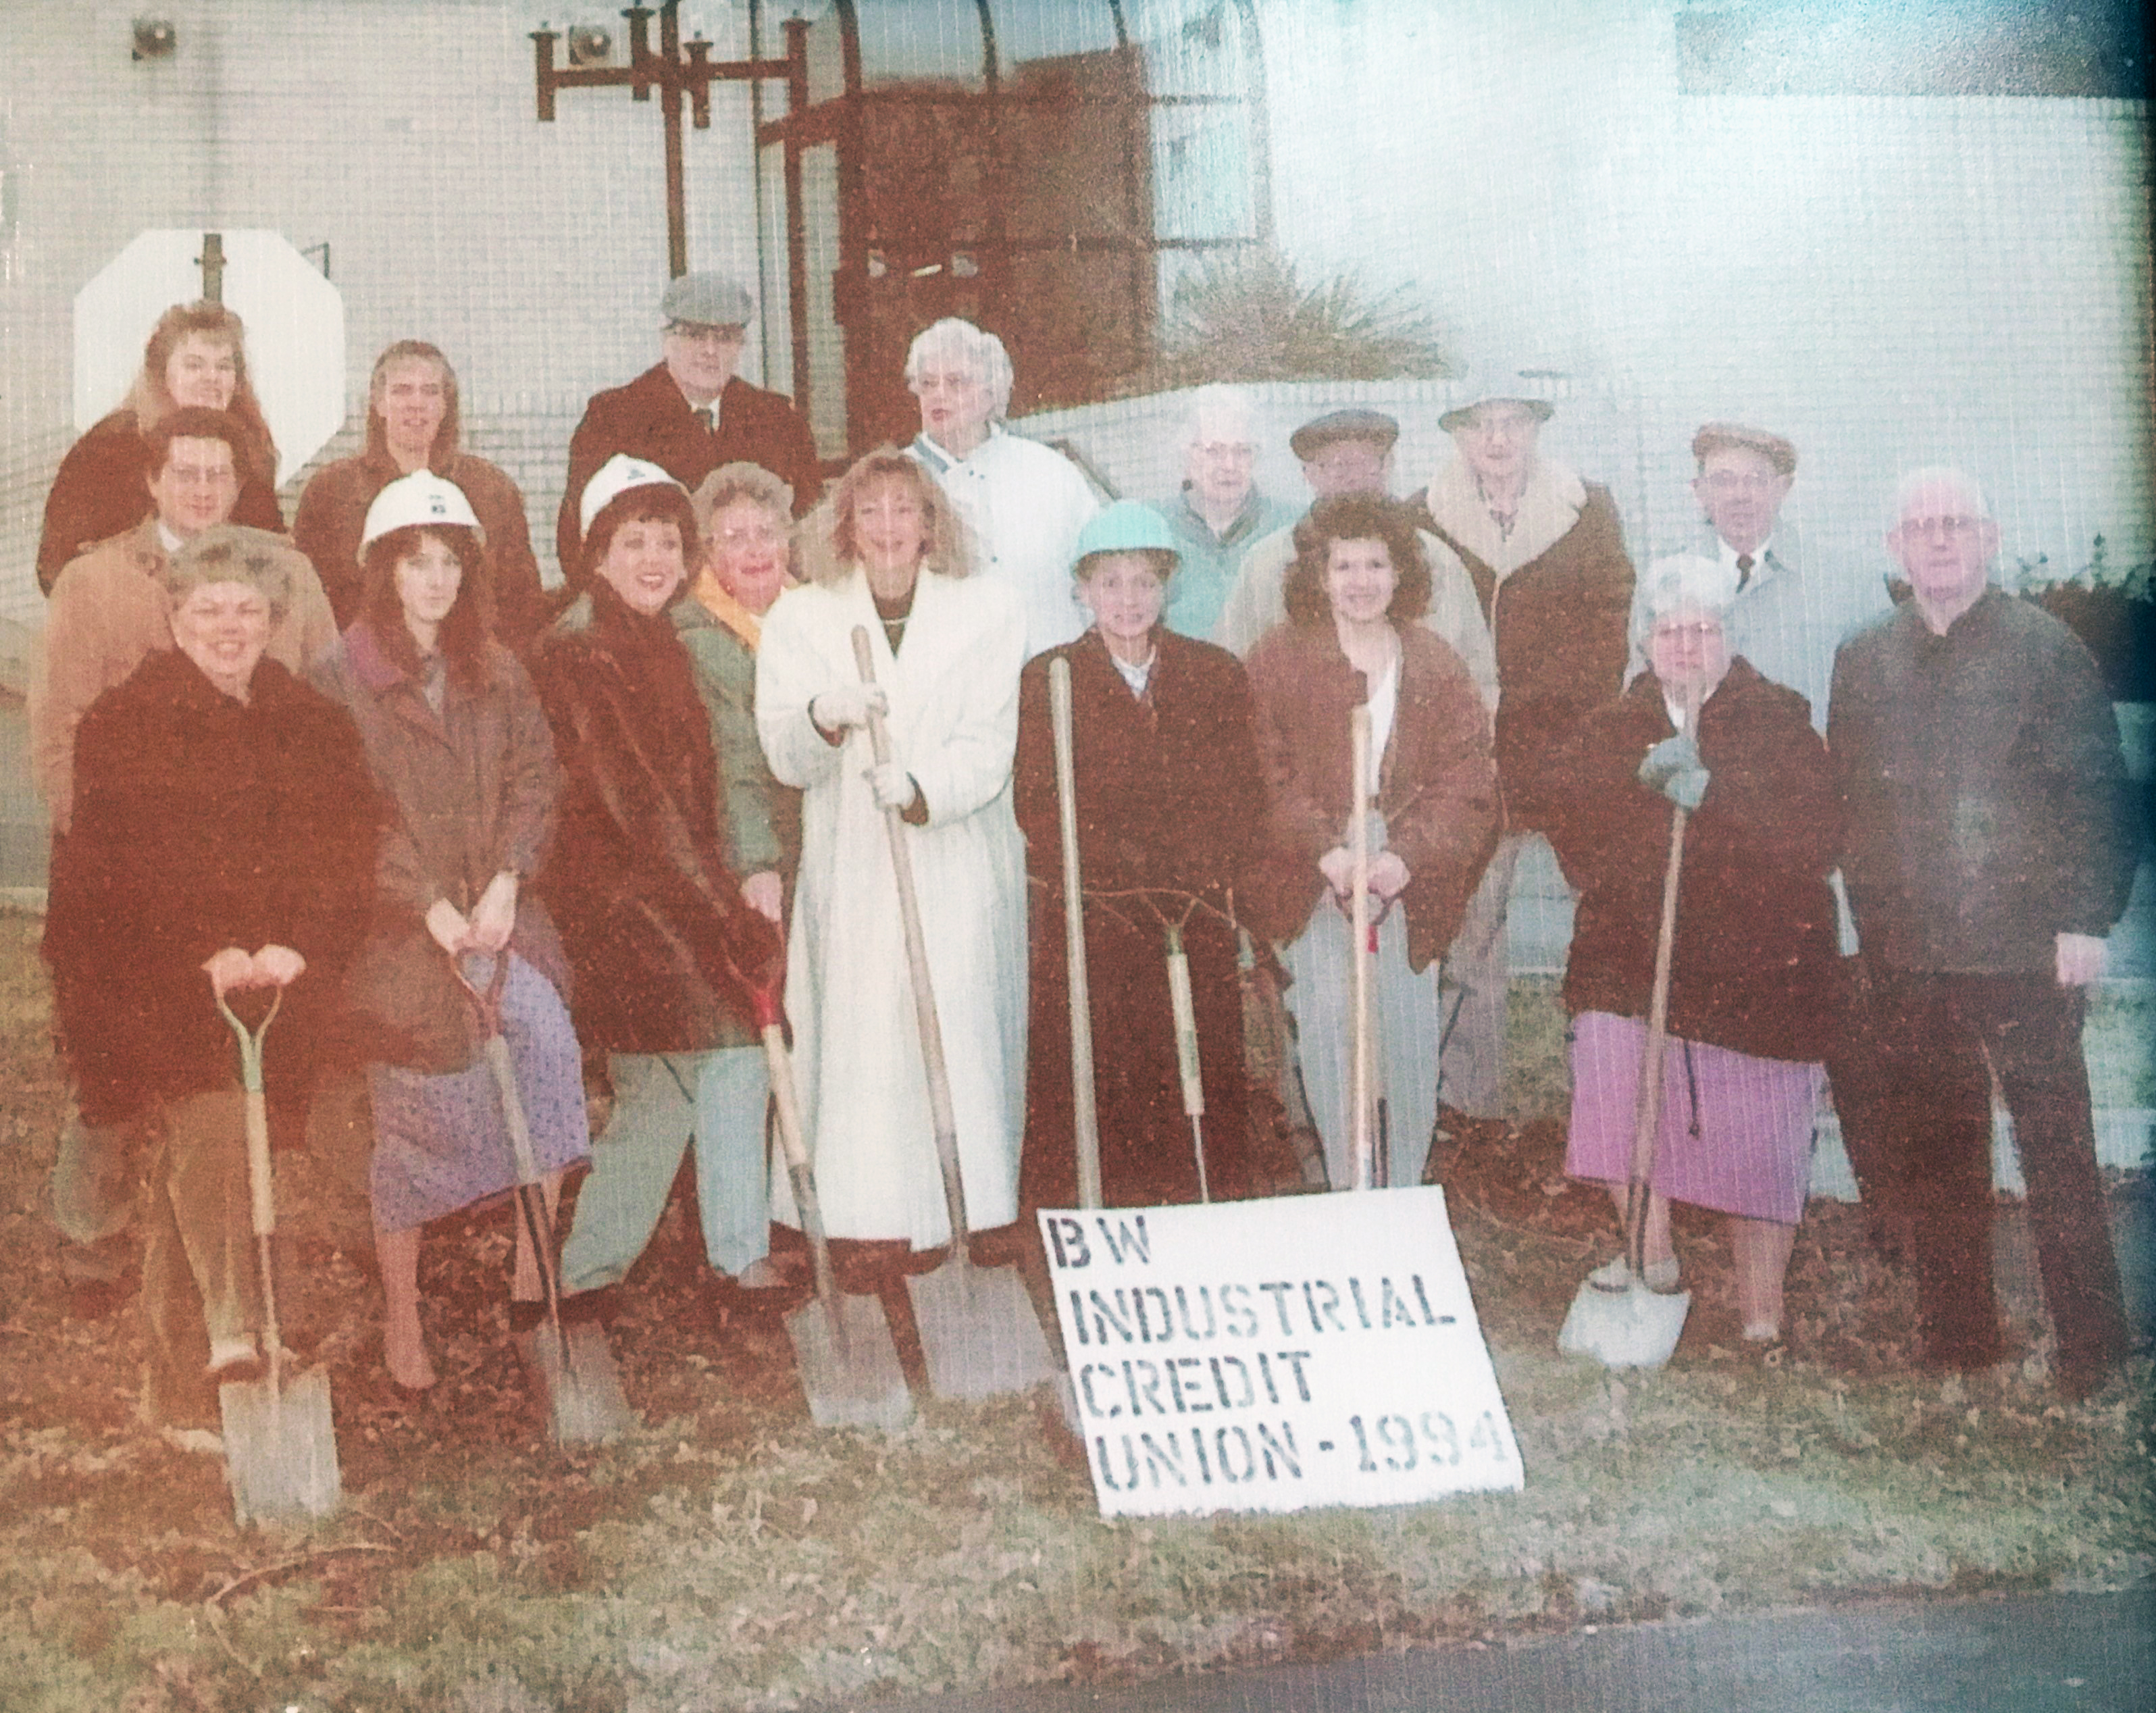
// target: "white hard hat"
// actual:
[[421, 498], [615, 478]]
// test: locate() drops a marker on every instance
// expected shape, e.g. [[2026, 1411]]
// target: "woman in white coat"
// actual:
[[887, 554]]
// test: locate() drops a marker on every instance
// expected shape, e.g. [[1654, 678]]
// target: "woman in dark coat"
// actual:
[[668, 954], [223, 839], [197, 356], [1168, 792], [1750, 1005], [457, 741], [1359, 583]]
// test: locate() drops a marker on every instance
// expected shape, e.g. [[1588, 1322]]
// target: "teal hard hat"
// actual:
[[1127, 526]]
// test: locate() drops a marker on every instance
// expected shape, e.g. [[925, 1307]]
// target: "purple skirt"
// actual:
[[440, 1143], [1736, 1131]]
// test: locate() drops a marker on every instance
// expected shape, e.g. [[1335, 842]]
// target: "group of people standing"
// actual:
[[376, 766]]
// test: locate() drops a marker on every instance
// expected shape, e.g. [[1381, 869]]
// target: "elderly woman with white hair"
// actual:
[[1023, 503], [1751, 974], [1220, 511]]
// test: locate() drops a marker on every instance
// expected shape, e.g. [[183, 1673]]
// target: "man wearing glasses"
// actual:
[[1989, 849], [1786, 621], [690, 413]]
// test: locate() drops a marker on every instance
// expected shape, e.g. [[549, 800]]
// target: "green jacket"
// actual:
[[762, 818]]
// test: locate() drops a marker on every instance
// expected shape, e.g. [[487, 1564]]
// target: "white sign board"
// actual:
[[1276, 1355], [293, 317]]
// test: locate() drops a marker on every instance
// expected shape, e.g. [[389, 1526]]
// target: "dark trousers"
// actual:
[[1936, 1034]]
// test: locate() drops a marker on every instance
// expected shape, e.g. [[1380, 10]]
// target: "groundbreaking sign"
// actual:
[[1273, 1355]]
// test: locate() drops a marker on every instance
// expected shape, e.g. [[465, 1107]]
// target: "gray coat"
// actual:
[[1989, 807], [474, 788]]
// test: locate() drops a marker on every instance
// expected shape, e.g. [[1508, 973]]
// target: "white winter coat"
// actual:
[[953, 720], [1025, 504]]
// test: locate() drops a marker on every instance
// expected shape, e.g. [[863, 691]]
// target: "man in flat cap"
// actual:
[[690, 413], [1544, 553], [1351, 452], [1787, 620]]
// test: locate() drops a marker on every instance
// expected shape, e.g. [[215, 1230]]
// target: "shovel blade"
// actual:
[[1632, 1328], [581, 1398], [281, 1447], [978, 1333], [850, 1371]]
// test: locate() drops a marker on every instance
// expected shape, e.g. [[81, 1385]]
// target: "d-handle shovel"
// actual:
[[842, 1343], [1638, 1326], [572, 1368], [280, 1437], [978, 1331]]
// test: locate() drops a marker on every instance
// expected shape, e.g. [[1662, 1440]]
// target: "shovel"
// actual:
[[279, 1442], [571, 1367], [1638, 1327], [841, 1342], [1362, 1079], [1084, 1112], [978, 1333]]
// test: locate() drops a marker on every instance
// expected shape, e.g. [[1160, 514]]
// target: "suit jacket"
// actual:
[[649, 419], [99, 492]]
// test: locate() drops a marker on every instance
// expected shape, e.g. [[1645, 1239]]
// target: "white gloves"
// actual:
[[893, 785], [848, 706]]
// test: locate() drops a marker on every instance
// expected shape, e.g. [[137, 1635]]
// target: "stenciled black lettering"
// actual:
[[1241, 1317], [1282, 1445], [1241, 1439], [1068, 1236], [1107, 1468], [1278, 1292], [1220, 1366], [1295, 1359], [1355, 1291], [1164, 1460], [1205, 1301], [1123, 1242], [1323, 1301]]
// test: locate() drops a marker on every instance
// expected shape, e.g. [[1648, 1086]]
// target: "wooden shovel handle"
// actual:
[[941, 1115], [1362, 1082], [1647, 1109], [786, 1100], [1084, 1113]]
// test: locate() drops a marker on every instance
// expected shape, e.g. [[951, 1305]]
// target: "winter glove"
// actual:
[[1672, 755], [848, 706], [893, 785]]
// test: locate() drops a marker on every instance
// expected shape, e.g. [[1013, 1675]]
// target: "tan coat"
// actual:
[[108, 611]]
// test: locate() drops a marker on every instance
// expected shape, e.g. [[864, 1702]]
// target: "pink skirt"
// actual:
[[1736, 1131]]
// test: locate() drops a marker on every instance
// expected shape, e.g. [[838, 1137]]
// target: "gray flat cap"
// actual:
[[706, 300], [1355, 423]]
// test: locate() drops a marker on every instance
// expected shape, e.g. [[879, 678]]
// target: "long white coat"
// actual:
[[953, 690]]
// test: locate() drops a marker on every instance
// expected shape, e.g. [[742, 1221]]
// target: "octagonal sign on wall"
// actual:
[[295, 321]]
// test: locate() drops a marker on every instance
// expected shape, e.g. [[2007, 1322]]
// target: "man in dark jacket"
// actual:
[[1990, 849], [690, 413]]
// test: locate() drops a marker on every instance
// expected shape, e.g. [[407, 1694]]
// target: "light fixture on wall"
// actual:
[[155, 38], [590, 45]]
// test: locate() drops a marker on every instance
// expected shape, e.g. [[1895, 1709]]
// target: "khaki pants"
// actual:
[[200, 1277]]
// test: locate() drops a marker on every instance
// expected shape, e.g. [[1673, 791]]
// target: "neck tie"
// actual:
[[708, 415], [1744, 563]]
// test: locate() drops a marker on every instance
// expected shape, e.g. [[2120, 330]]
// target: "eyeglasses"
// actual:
[[763, 535], [1734, 482], [1926, 526], [705, 333]]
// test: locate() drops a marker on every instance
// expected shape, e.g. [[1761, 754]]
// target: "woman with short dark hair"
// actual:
[[668, 954], [196, 356], [455, 733], [1358, 584]]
